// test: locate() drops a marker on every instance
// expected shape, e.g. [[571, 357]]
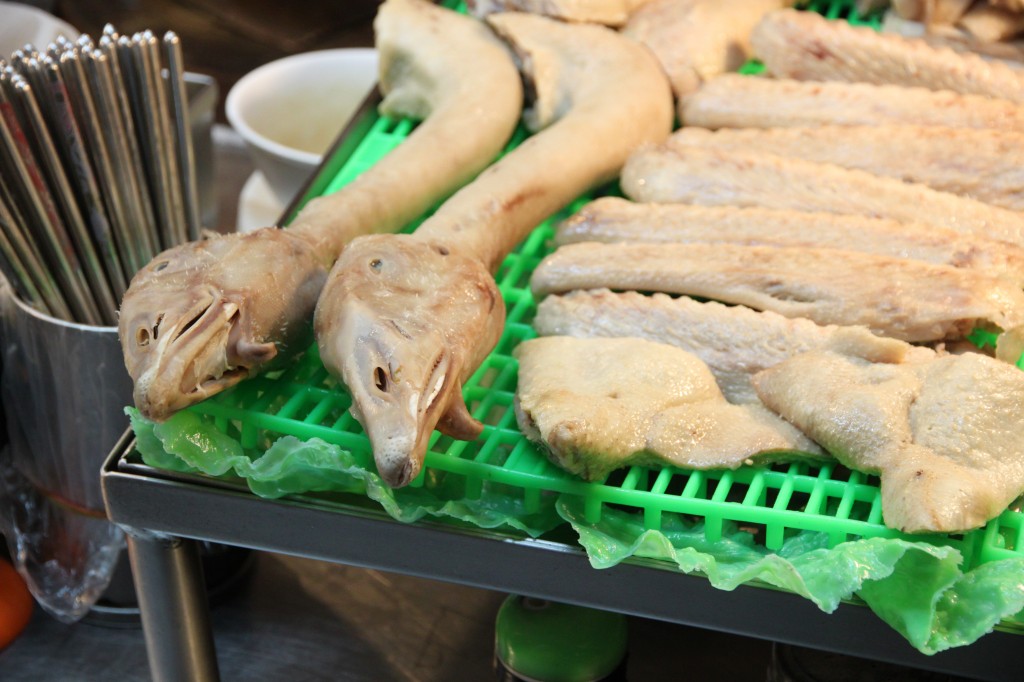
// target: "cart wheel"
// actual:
[[15, 604], [543, 641]]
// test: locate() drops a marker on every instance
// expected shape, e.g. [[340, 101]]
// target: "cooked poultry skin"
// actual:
[[597, 405], [615, 220], [435, 63], [608, 12], [982, 164], [944, 435], [698, 39], [895, 297], [734, 101], [807, 46], [713, 177], [734, 341], [591, 84]]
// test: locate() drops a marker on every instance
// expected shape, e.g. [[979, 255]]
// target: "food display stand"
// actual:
[[165, 512]]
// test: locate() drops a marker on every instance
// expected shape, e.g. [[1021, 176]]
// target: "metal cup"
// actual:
[[64, 387]]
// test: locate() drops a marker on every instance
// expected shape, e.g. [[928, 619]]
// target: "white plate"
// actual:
[[258, 206], [21, 24]]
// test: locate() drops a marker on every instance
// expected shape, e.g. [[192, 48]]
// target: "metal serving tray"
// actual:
[[165, 513]]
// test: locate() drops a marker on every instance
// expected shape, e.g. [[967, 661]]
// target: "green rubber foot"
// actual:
[[543, 641]]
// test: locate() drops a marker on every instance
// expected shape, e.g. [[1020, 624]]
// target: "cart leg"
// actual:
[[172, 600]]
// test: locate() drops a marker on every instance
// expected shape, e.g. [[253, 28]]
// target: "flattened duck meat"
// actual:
[[734, 341], [404, 320], [607, 12], [944, 435], [203, 316], [613, 220], [713, 177], [807, 46], [698, 39], [597, 405], [733, 101], [987, 165], [902, 299]]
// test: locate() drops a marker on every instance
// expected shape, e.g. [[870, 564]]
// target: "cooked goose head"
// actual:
[[203, 316], [403, 324]]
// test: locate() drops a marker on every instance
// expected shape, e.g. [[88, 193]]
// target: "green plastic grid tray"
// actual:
[[772, 503]]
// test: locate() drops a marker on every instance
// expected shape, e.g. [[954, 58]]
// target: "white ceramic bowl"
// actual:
[[22, 24], [290, 111]]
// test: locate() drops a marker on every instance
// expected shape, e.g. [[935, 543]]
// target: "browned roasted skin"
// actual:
[[260, 289], [591, 84], [806, 46]]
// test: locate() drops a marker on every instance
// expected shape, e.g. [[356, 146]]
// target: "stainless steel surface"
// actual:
[[63, 387], [172, 600], [553, 569]]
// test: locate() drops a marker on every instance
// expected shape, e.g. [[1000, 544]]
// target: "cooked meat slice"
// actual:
[[598, 405], [734, 341], [944, 435], [733, 101], [713, 177], [697, 39], [807, 46], [990, 24], [607, 12], [987, 165], [903, 299], [613, 220]]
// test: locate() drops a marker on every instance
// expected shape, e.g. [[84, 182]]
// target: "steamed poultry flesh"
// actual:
[[982, 164], [436, 64], [607, 12], [733, 101], [713, 177], [597, 405], [807, 46], [735, 342], [944, 435], [591, 84], [613, 220], [903, 299], [696, 40]]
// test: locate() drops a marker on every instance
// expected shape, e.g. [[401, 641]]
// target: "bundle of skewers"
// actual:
[[97, 170]]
